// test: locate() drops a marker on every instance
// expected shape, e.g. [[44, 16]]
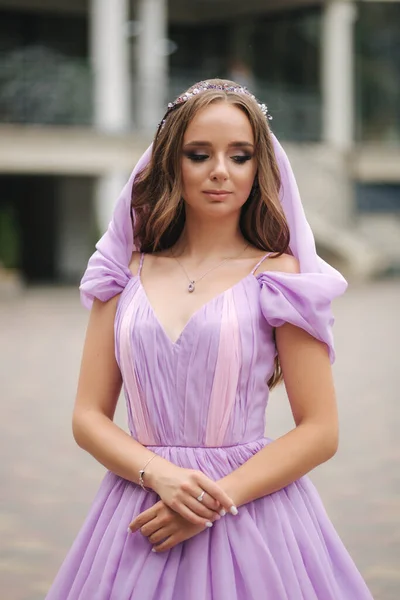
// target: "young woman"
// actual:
[[206, 290]]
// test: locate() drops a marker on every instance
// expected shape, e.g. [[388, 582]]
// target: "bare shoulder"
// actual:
[[134, 262], [286, 263]]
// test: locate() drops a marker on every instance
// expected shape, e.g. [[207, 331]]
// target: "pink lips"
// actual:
[[217, 194]]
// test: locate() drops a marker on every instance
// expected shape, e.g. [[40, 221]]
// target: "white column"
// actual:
[[152, 63], [338, 73], [110, 63], [111, 90], [107, 190]]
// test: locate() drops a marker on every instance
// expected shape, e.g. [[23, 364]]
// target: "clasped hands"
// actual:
[[180, 515]]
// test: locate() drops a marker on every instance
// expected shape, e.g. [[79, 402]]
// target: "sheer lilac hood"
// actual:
[[302, 299]]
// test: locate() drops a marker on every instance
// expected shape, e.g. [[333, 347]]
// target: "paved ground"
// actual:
[[47, 482]]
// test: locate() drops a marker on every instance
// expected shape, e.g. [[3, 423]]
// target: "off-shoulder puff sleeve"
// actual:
[[302, 299], [107, 272], [103, 279]]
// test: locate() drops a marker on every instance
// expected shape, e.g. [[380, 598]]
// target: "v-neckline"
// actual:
[[195, 314]]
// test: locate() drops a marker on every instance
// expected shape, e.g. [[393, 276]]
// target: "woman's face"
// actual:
[[218, 162]]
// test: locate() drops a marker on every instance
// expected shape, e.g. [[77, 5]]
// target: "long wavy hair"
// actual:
[[157, 199]]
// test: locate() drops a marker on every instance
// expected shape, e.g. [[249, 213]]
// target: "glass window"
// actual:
[[44, 71], [378, 72], [378, 197], [276, 55], [201, 52], [287, 71]]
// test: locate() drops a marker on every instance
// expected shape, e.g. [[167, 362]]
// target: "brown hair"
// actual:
[[157, 190]]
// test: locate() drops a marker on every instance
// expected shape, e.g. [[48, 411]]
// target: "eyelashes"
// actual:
[[196, 157], [239, 159]]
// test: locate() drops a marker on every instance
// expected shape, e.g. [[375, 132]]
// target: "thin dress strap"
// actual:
[[140, 264], [260, 262]]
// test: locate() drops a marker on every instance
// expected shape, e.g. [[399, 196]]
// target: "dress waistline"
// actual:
[[259, 441]]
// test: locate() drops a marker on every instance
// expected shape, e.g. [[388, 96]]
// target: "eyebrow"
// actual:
[[231, 145]]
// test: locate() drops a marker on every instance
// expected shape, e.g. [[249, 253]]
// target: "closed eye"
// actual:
[[240, 158], [197, 157]]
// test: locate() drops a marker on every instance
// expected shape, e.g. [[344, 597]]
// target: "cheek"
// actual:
[[246, 178], [188, 175], [192, 176]]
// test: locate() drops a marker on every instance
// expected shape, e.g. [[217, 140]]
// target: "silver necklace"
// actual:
[[192, 282]]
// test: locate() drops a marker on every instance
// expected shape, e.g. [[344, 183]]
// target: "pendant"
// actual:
[[191, 287]]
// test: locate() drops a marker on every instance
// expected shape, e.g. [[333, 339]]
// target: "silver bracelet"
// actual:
[[141, 474]]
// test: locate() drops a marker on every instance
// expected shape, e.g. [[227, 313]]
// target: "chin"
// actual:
[[220, 208], [213, 208]]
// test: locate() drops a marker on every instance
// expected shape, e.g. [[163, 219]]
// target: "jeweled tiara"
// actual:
[[203, 86]]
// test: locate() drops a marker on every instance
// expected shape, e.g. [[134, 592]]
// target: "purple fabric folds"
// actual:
[[280, 547], [114, 249], [200, 402], [108, 266], [303, 300]]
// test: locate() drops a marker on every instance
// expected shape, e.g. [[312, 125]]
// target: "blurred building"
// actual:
[[84, 83]]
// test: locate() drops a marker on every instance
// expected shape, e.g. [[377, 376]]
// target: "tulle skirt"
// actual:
[[279, 547]]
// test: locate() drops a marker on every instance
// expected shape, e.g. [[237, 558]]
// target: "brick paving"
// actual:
[[48, 483]]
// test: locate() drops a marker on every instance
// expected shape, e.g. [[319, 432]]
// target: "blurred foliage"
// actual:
[[9, 238], [40, 85]]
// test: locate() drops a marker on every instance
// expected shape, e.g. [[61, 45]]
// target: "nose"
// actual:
[[219, 170]]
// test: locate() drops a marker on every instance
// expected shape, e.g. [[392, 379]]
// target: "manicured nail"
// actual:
[[233, 510], [209, 524], [222, 512], [129, 530], [153, 550]]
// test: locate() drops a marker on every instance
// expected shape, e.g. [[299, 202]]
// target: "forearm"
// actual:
[[177, 487], [111, 446], [280, 463]]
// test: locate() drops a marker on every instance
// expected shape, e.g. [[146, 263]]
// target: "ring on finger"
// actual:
[[201, 497]]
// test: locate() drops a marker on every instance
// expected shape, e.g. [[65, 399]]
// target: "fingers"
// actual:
[[199, 508], [187, 497], [144, 517], [151, 527], [214, 490], [161, 534], [209, 502], [167, 544], [191, 516]]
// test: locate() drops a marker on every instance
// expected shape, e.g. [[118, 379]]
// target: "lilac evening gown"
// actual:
[[199, 402]]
